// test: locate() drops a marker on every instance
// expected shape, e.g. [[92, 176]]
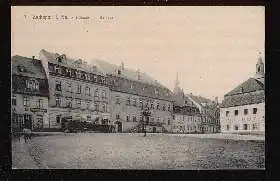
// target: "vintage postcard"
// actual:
[[119, 87]]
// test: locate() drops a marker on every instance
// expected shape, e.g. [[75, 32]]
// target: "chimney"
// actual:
[[34, 60], [216, 100]]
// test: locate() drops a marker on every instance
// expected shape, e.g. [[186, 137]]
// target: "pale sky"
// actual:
[[213, 49]]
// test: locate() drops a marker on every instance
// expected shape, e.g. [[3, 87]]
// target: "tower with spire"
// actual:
[[259, 69], [177, 88]]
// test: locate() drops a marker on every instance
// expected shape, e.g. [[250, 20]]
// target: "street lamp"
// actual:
[[146, 114]]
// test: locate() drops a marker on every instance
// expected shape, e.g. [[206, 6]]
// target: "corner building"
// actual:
[[29, 95], [77, 90], [243, 108]]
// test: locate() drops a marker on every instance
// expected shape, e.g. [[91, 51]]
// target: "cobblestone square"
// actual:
[[133, 151]]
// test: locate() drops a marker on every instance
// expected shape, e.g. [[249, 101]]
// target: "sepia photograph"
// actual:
[[147, 87]]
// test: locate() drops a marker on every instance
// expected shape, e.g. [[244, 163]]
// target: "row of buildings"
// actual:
[[56, 86], [47, 89]]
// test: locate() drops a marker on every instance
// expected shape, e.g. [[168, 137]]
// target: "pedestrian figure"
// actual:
[[27, 134]]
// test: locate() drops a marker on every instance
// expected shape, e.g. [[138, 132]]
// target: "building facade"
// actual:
[[209, 111], [243, 108], [29, 96], [187, 117], [77, 90], [132, 92], [104, 94]]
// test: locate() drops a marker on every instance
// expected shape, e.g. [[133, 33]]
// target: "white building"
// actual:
[[243, 108]]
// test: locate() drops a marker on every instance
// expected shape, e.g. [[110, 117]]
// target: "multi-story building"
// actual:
[[77, 90], [187, 117], [132, 92], [243, 108], [29, 102], [209, 111]]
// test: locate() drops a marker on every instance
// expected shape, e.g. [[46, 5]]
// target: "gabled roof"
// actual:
[[109, 68], [249, 85], [30, 67], [180, 99], [202, 101]]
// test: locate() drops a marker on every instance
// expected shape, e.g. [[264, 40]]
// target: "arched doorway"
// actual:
[[119, 126], [154, 129]]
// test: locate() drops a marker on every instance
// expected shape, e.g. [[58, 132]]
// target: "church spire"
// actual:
[[177, 86]]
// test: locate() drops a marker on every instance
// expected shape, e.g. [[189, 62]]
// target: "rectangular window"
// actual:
[[69, 87], [227, 127], [88, 104], [40, 103], [227, 113], [134, 119], [26, 101], [245, 126], [134, 102], [157, 105], [127, 118], [79, 89], [169, 107], [103, 94], [118, 100], [163, 107], [168, 121], [245, 111], [58, 101], [255, 110], [141, 103], [128, 101], [96, 106], [58, 117], [235, 127], [58, 86], [14, 100], [254, 126], [104, 107], [236, 112], [78, 102], [69, 102], [87, 91], [117, 116]]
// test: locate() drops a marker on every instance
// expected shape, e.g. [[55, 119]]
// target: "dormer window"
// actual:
[[78, 74], [94, 78], [32, 84], [68, 72], [21, 68], [156, 91], [59, 59], [57, 69]]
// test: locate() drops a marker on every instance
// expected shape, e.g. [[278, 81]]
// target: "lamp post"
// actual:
[[146, 114]]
